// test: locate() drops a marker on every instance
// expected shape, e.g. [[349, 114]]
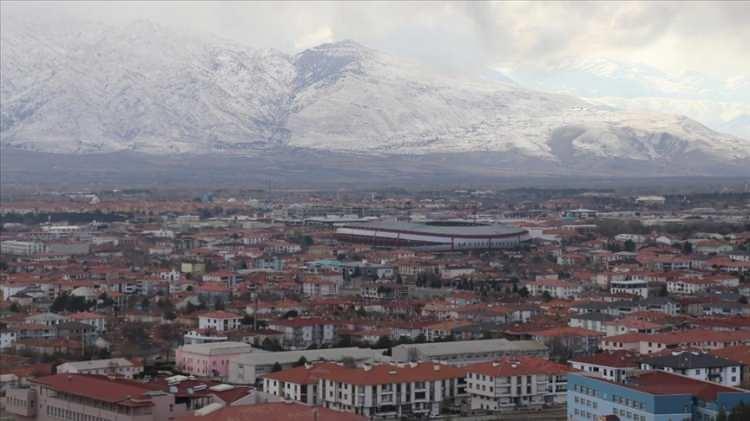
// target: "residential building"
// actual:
[[697, 365], [615, 366], [516, 382], [220, 321]]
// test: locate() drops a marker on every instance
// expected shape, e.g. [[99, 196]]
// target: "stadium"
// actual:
[[435, 236]]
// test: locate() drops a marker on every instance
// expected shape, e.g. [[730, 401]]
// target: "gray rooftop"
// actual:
[[687, 359], [436, 349], [462, 230], [219, 348], [329, 354]]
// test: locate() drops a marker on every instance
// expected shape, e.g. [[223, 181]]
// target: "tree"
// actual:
[[383, 342], [301, 362], [218, 303], [722, 415], [276, 367], [687, 247], [663, 292], [523, 292], [14, 307], [546, 296], [630, 246]]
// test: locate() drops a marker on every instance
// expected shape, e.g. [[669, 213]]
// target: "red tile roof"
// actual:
[[98, 388], [518, 366]]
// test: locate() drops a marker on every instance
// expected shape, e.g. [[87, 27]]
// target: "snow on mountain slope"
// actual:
[[145, 88]]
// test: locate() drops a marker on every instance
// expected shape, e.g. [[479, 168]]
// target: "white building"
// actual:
[[383, 390], [697, 365], [21, 248], [633, 286], [613, 366], [516, 382], [119, 367], [221, 321]]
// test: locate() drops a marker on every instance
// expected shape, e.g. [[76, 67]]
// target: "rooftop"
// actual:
[[456, 231]]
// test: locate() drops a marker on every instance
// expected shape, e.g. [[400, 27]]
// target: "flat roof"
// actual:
[[217, 348], [456, 231], [466, 347], [330, 354]]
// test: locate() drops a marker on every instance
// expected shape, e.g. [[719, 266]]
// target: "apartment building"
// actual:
[[516, 382], [391, 390], [303, 332], [220, 321], [697, 365]]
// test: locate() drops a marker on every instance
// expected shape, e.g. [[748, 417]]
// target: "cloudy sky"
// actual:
[[710, 37]]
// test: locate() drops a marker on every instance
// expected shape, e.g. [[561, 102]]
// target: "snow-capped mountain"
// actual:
[[630, 87], [145, 88]]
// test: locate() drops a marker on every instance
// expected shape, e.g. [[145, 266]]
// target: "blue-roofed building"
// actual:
[[651, 396]]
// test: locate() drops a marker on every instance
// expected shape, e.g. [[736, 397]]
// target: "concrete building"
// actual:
[[384, 390], [209, 359], [449, 237], [516, 382], [467, 352], [93, 398], [697, 365], [21, 248], [119, 367], [220, 321], [248, 368], [614, 366], [304, 331], [652, 396]]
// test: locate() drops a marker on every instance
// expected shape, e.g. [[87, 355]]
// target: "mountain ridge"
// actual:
[[144, 88]]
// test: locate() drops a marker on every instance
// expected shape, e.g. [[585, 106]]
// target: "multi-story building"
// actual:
[[304, 331], [516, 382], [94, 398], [651, 396], [704, 340], [614, 366], [220, 321], [21, 248], [209, 359], [383, 390], [697, 365]]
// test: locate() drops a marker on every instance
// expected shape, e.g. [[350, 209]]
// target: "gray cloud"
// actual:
[[710, 37]]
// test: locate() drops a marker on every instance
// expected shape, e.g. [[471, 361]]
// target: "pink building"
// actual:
[[209, 359]]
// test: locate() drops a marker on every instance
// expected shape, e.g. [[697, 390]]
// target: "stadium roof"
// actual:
[[455, 231]]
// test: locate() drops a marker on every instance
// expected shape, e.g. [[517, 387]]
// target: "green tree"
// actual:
[[276, 367], [383, 342], [630, 246], [301, 362]]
